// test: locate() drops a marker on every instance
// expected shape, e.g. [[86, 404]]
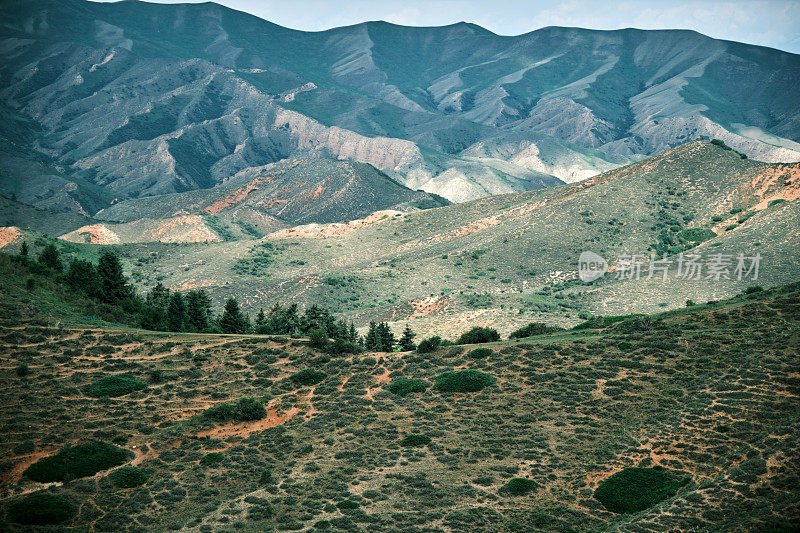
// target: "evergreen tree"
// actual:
[[407, 340], [352, 334], [155, 313], [23, 252], [198, 310], [176, 314], [386, 337], [372, 341], [82, 276], [232, 319], [113, 285], [261, 318], [51, 258]]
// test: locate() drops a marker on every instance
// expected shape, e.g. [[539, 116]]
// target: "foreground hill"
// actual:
[[506, 260], [710, 397], [144, 99]]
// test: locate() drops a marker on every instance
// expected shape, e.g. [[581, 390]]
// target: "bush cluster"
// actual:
[[519, 486], [635, 489], [40, 508], [211, 459], [309, 376], [404, 386], [113, 386], [243, 410], [463, 381], [480, 353], [128, 477], [479, 335], [413, 441], [78, 461]]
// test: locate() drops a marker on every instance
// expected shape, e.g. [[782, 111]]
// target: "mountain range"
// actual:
[[107, 102]]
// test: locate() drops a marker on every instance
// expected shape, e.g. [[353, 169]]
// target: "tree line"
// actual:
[[164, 309]]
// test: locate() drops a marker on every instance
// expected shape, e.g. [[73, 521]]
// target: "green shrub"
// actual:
[[404, 386], [775, 202], [41, 508], [249, 409], [113, 386], [478, 335], [413, 441], [480, 353], [429, 345], [347, 505], [463, 381], [519, 486], [634, 489], [211, 459], [128, 477], [78, 461], [245, 409], [309, 376]]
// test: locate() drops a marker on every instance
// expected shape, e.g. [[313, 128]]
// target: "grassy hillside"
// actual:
[[507, 260], [707, 396]]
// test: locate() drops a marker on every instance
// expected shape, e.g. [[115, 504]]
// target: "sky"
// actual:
[[774, 23]]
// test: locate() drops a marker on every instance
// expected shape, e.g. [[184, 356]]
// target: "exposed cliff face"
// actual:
[[145, 99]]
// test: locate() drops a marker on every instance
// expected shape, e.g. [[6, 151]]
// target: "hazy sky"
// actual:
[[774, 23]]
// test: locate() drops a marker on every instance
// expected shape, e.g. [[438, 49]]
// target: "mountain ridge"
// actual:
[[218, 90]]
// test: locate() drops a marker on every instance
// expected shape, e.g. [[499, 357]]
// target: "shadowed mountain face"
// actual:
[[143, 99]]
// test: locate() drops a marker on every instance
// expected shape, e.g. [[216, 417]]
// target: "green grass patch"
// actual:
[[41, 509], [78, 461], [463, 381], [635, 489], [113, 386]]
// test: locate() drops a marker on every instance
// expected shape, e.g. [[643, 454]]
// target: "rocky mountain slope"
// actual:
[[143, 99]]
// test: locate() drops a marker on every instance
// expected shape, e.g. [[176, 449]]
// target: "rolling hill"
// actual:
[[510, 259], [146, 99]]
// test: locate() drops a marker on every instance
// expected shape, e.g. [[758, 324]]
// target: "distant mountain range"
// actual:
[[102, 102]]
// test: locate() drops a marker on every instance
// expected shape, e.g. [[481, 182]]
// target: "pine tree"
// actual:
[[232, 319], [372, 341], [386, 338], [51, 258], [23, 252], [261, 318], [198, 310], [176, 314], [113, 286], [352, 335], [407, 340]]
